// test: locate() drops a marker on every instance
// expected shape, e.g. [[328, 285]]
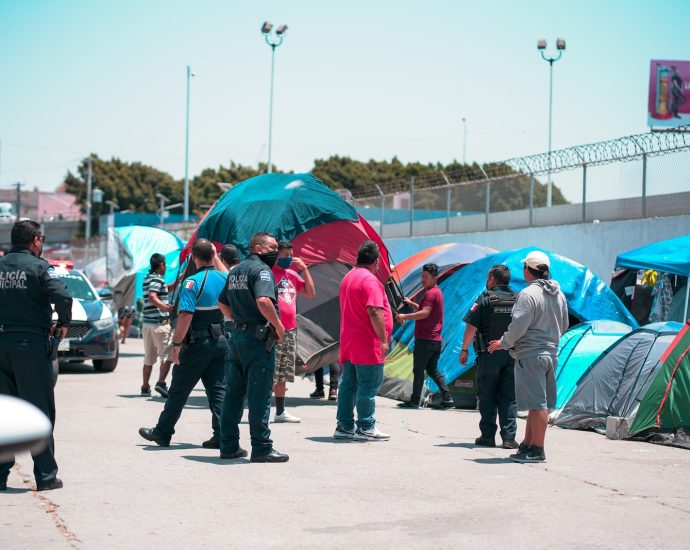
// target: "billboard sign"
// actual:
[[669, 94]]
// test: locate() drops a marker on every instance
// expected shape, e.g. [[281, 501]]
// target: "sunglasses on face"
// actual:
[[41, 237]]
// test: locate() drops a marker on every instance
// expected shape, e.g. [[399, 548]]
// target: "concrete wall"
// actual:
[[594, 245]]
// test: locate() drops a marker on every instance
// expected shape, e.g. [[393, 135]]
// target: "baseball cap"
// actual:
[[535, 259]]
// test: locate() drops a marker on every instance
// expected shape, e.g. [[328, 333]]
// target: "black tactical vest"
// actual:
[[496, 317]]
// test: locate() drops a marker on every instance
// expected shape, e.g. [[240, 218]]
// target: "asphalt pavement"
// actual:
[[428, 487]]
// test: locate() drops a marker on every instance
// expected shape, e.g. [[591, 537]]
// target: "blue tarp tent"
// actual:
[[128, 255], [589, 298], [671, 256], [579, 348]]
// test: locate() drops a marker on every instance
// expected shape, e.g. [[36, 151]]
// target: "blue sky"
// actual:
[[357, 78]]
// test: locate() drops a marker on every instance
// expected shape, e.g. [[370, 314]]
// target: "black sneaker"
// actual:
[[408, 405], [162, 388], [146, 391], [3, 485], [55, 484], [521, 452], [534, 455], [447, 404], [484, 442], [151, 434], [317, 394], [212, 443], [510, 444]]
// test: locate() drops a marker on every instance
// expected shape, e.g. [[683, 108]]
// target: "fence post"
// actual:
[[531, 199], [584, 193], [411, 206], [383, 206], [644, 185], [487, 205], [448, 198]]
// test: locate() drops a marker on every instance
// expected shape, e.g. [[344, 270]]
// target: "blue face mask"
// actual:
[[285, 262]]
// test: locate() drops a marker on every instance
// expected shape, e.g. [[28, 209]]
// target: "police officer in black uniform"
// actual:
[[487, 320], [28, 286], [250, 299], [199, 347]]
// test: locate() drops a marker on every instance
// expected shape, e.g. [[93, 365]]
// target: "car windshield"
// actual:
[[78, 288]]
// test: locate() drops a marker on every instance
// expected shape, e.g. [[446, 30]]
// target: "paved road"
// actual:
[[429, 487]]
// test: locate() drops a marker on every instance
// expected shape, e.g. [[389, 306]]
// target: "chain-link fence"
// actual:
[[646, 175]]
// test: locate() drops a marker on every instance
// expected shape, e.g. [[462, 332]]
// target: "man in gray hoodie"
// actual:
[[540, 317]]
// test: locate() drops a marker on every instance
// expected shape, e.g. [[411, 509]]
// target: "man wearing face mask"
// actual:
[[250, 298], [290, 283], [28, 286]]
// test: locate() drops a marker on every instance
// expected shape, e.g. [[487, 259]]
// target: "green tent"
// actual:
[[664, 413]]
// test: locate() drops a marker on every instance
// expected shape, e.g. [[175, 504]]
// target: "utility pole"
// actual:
[[89, 182], [18, 187]]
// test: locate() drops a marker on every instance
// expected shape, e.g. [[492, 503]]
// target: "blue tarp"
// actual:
[[141, 242], [589, 298], [579, 348], [671, 256]]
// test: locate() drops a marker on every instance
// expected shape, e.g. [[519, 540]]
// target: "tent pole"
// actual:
[[687, 298]]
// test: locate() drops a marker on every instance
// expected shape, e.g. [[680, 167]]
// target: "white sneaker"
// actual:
[[371, 435], [286, 417], [342, 433]]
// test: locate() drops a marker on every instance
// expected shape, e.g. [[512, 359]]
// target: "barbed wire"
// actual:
[[624, 149]]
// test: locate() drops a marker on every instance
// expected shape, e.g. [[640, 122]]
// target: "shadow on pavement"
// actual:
[[16, 490], [172, 447], [327, 439], [78, 368], [463, 445], [124, 354], [505, 460], [308, 402], [217, 460], [193, 402]]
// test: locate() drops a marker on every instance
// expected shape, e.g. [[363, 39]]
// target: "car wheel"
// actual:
[[106, 365], [56, 371]]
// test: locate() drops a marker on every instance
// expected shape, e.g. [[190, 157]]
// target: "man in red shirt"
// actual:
[[290, 282], [428, 319], [366, 324]]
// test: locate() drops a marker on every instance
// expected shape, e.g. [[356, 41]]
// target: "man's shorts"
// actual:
[[157, 343], [535, 382], [285, 358]]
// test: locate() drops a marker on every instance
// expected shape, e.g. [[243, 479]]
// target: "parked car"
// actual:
[[92, 334]]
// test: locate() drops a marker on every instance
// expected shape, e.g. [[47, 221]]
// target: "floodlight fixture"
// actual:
[[281, 30], [560, 44], [541, 44], [266, 27]]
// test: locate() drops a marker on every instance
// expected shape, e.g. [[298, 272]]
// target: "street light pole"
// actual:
[[89, 182], [190, 74], [464, 140], [274, 42], [541, 46]]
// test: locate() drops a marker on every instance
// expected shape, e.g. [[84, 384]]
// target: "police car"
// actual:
[[92, 334]]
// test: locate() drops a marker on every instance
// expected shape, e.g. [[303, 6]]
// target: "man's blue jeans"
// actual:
[[358, 387]]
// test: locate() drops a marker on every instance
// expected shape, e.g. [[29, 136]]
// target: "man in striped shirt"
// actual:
[[156, 330]]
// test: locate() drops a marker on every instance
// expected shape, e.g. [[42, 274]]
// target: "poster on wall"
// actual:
[[669, 94]]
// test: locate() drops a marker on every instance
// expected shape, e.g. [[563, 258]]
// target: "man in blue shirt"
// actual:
[[199, 347]]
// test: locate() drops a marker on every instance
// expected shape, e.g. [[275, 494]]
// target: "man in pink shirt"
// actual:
[[366, 324], [428, 319], [290, 282]]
